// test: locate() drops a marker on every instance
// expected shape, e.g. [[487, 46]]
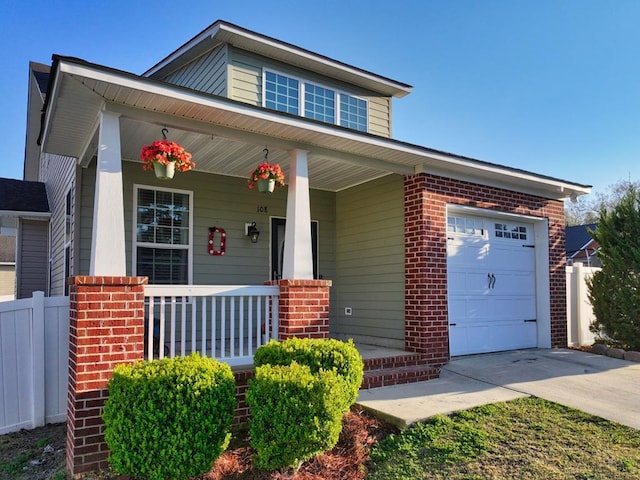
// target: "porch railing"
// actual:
[[226, 322]]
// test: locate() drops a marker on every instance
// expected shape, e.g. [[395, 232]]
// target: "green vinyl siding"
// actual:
[[224, 202], [370, 263], [245, 85], [207, 73]]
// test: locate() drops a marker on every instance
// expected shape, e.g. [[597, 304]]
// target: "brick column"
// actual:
[[426, 315], [106, 328], [303, 308]]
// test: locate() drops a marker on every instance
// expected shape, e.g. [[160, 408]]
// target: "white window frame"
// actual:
[[301, 94], [134, 231]]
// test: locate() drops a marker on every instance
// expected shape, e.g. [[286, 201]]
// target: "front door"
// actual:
[[277, 247]]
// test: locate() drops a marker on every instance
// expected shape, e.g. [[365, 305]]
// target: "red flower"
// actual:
[[267, 171], [165, 151]]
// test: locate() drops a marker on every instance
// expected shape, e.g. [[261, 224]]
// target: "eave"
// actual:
[[227, 137]]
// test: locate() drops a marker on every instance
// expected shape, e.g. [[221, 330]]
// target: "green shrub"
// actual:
[[613, 291], [169, 419], [295, 414], [318, 354]]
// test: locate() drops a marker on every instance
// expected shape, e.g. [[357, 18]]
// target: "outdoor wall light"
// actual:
[[252, 232]]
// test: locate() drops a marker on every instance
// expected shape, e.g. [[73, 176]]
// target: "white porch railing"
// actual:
[[226, 322]]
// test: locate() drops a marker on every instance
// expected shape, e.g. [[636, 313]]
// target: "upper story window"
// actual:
[[288, 94], [163, 235]]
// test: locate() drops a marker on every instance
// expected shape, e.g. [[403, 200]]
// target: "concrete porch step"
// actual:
[[396, 370]]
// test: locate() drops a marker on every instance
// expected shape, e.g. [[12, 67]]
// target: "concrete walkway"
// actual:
[[595, 384]]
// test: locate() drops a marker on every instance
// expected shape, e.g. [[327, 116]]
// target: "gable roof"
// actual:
[[237, 133], [222, 32], [23, 198], [577, 238]]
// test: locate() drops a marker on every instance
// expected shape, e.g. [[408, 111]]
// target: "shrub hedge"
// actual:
[[295, 414], [318, 355], [169, 419]]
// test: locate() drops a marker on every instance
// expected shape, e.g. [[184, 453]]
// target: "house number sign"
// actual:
[[261, 209]]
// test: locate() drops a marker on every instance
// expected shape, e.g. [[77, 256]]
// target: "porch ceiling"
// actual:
[[228, 137]]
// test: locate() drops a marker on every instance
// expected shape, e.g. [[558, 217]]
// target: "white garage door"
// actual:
[[491, 285]]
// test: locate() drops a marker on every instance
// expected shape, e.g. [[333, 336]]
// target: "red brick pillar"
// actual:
[[426, 315], [106, 328], [303, 308]]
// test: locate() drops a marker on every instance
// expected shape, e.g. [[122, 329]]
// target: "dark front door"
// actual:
[[277, 247]]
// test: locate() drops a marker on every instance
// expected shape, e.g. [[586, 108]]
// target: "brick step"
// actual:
[[384, 377], [402, 360]]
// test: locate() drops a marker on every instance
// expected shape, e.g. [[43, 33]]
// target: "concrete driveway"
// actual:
[[595, 384]]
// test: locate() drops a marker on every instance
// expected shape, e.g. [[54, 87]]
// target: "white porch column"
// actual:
[[298, 256], [107, 240]]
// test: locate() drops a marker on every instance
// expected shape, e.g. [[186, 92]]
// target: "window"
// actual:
[[67, 241], [353, 112], [319, 103], [281, 93], [465, 225], [163, 236], [512, 231], [287, 94]]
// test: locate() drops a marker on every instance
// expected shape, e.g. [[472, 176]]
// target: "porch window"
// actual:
[[163, 235], [291, 95]]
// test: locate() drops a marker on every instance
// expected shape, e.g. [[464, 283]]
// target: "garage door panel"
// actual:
[[513, 308], [491, 286], [468, 310], [461, 254], [468, 283]]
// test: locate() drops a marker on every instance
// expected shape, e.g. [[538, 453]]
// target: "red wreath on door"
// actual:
[[223, 243]]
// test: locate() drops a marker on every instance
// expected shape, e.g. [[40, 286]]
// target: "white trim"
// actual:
[[422, 162], [278, 217], [134, 236], [222, 28], [27, 215], [541, 242]]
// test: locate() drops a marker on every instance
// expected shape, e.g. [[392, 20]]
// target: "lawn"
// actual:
[[523, 439], [527, 438]]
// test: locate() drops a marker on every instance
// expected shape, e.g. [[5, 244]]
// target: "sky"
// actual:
[[549, 86]]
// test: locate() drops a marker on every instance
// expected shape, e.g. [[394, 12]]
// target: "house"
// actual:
[[581, 247], [24, 211], [426, 251]]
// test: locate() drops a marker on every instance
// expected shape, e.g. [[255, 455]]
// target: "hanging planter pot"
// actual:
[[266, 176], [164, 171], [165, 158], [266, 186]]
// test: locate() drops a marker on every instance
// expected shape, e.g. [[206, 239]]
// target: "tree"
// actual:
[[587, 208], [614, 291]]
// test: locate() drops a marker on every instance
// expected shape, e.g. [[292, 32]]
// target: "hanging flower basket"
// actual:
[[165, 158], [266, 176]]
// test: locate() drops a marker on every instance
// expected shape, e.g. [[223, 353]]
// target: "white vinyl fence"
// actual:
[[34, 357], [579, 310]]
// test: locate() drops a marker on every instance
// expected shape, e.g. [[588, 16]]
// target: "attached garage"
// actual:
[[492, 282]]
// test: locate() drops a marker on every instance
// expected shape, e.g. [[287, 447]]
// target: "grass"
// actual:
[[527, 438]]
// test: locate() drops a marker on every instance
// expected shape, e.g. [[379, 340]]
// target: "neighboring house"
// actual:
[[24, 204], [581, 247], [428, 251], [7, 267]]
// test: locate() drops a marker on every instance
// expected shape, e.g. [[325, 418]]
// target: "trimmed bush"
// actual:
[[169, 419], [295, 414], [318, 355]]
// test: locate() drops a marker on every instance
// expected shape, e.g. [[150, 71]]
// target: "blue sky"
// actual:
[[550, 86]]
